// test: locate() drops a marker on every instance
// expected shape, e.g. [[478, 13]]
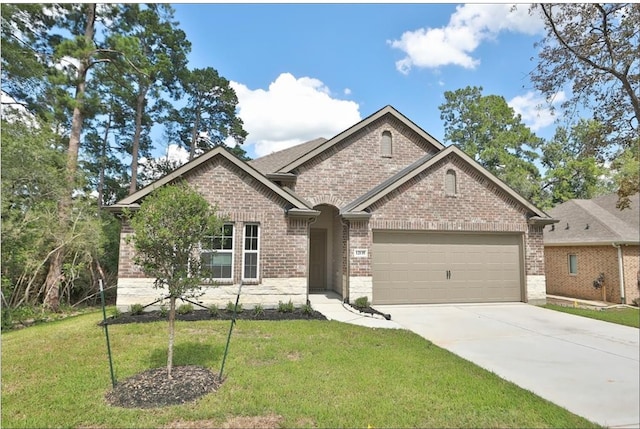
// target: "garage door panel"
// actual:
[[411, 267]]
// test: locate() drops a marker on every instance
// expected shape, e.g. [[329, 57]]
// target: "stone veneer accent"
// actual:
[[359, 287], [536, 289], [268, 293]]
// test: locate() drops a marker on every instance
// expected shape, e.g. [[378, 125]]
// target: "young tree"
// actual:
[[594, 48], [168, 229], [489, 131]]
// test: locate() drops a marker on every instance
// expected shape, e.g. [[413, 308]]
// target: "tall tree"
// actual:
[[209, 117], [83, 49], [155, 56], [594, 48], [168, 229], [489, 131], [574, 167]]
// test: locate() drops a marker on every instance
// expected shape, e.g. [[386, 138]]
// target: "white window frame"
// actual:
[[222, 251], [246, 251]]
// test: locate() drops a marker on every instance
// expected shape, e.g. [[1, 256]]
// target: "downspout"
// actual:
[[620, 272]]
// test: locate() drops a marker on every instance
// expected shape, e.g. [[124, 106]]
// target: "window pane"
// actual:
[[251, 266], [573, 264], [216, 265]]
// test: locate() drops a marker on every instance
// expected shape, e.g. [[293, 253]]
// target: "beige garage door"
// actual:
[[429, 268]]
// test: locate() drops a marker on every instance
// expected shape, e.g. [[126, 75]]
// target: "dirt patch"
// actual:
[[270, 421], [198, 315], [153, 388]]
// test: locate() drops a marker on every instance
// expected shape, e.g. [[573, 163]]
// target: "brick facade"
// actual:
[[591, 261], [328, 182], [355, 165]]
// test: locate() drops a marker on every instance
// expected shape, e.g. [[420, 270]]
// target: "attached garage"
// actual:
[[430, 268]]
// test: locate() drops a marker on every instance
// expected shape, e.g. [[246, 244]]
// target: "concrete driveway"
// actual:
[[590, 367]]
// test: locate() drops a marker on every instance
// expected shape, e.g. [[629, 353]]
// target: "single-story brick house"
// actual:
[[594, 251], [381, 210]]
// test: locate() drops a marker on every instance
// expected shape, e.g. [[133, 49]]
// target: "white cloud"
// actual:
[[291, 111], [470, 25], [535, 110]]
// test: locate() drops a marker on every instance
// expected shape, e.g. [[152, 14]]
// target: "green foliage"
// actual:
[[574, 164], [231, 306], [603, 81], [307, 309], [164, 311], [258, 310], [168, 228], [185, 309], [136, 309], [285, 307], [211, 109], [487, 129], [362, 302], [115, 313], [214, 311]]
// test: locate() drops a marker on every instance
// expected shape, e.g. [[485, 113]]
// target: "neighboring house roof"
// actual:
[[594, 222], [387, 110], [133, 200], [276, 160], [397, 180]]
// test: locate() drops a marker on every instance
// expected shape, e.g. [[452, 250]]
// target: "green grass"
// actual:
[[622, 316], [312, 373]]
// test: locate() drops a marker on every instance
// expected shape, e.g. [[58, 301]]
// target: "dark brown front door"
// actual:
[[318, 260]]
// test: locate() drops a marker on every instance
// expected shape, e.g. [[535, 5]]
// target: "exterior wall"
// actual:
[[268, 293], [354, 166], [240, 199], [422, 205], [359, 287], [591, 261], [631, 258]]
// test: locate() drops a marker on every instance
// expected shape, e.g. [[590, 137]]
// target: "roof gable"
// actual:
[[387, 110], [134, 199], [393, 183]]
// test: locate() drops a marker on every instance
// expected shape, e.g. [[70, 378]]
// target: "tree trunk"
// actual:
[[172, 320], [54, 275], [142, 94], [194, 135]]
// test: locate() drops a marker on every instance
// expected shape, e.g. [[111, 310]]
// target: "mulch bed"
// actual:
[[153, 388], [196, 315]]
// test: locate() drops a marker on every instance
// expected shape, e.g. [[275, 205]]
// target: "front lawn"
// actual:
[[279, 374], [622, 316]]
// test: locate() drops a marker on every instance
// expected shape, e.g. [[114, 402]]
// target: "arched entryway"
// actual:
[[325, 251]]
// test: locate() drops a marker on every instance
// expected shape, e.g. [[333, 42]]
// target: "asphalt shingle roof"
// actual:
[[275, 161], [594, 221]]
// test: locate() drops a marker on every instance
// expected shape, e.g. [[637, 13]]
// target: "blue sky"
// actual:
[[303, 71]]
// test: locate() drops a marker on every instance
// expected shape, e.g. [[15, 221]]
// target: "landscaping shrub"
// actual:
[[136, 309], [286, 308], [185, 309], [362, 302]]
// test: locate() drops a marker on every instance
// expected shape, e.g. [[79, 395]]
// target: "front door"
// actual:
[[318, 260]]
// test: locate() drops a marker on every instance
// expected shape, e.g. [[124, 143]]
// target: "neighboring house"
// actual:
[[381, 210], [594, 251]]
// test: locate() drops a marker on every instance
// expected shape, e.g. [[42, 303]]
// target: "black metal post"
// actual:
[[233, 322], [106, 332]]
